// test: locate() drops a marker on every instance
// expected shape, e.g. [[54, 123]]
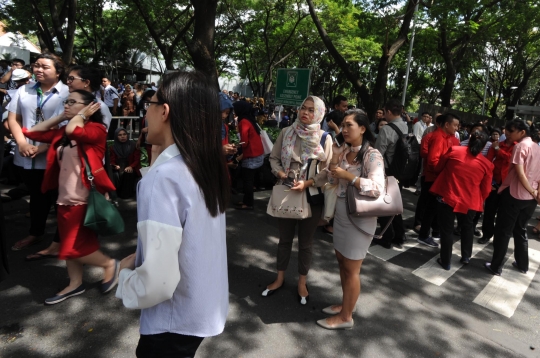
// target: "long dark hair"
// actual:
[[89, 74], [244, 110], [477, 142], [368, 140], [195, 121], [88, 97]]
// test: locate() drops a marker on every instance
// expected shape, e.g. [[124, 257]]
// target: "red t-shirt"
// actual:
[[252, 146], [437, 146], [464, 181]]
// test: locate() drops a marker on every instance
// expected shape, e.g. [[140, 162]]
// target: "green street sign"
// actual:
[[292, 86]]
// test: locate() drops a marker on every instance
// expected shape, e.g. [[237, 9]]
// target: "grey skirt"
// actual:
[[350, 242]]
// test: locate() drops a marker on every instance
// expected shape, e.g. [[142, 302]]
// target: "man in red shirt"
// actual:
[[439, 142], [501, 156]]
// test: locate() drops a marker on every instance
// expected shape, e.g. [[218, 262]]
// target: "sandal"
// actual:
[[37, 256], [24, 243]]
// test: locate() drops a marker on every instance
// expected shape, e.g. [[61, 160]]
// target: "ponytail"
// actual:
[[477, 142]]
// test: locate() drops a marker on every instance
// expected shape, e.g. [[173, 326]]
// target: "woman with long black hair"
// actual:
[[252, 150], [178, 276], [462, 187], [360, 165], [519, 197]]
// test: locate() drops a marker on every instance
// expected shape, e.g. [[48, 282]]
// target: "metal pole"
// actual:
[[411, 44], [485, 91]]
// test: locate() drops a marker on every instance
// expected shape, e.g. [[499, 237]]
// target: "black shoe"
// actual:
[[517, 268], [108, 286], [446, 267], [483, 240], [59, 298], [465, 260], [436, 235], [398, 245], [267, 292], [487, 265], [386, 245], [477, 233]]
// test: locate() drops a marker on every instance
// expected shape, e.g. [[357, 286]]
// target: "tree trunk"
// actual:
[[449, 81], [67, 50], [201, 47]]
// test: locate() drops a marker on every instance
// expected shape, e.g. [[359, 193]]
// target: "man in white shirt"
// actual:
[[111, 99], [420, 126]]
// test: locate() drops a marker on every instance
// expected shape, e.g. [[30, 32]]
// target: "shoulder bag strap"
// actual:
[[87, 167]]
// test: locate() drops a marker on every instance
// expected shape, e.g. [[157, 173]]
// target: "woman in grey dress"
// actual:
[[358, 164]]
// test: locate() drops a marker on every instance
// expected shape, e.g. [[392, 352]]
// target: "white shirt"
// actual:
[[109, 95], [418, 130], [25, 103], [180, 281]]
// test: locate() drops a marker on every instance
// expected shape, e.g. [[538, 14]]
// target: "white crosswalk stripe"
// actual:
[[432, 272], [504, 293]]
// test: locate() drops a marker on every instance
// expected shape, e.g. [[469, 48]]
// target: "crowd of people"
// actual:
[[178, 274]]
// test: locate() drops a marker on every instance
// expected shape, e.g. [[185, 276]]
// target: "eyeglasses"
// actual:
[[72, 78], [148, 103], [71, 102]]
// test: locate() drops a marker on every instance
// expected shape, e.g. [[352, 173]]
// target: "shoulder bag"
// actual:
[[388, 203], [101, 215]]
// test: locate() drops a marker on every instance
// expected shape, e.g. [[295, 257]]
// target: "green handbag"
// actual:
[[101, 215]]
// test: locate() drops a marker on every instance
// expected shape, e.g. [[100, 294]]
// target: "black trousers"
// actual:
[[429, 218], [446, 216], [40, 203], [167, 345], [512, 219], [421, 203], [112, 129], [248, 179], [490, 211], [396, 231]]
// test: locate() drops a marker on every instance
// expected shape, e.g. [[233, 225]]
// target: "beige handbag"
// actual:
[[388, 203], [330, 200], [288, 204]]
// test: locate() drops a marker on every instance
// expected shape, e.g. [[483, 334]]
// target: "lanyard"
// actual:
[[39, 98]]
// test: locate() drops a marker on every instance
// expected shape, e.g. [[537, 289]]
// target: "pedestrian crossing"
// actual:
[[501, 294]]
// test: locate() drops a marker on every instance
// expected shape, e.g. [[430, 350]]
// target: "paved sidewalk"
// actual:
[[399, 313]]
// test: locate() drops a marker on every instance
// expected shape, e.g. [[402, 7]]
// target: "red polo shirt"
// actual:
[[437, 146], [252, 146], [502, 160], [464, 181]]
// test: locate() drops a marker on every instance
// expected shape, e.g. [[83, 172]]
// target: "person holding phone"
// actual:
[[252, 150], [293, 148]]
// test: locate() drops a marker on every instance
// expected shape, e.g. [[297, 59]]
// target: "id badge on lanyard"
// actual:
[[40, 104]]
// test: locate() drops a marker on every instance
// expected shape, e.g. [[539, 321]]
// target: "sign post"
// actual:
[[292, 86]]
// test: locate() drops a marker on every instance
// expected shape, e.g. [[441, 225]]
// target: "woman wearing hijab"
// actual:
[[125, 163], [293, 148], [252, 149]]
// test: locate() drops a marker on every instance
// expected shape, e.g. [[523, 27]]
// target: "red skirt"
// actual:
[[76, 240]]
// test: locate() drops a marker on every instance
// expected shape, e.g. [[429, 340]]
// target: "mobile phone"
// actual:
[[339, 140], [288, 182]]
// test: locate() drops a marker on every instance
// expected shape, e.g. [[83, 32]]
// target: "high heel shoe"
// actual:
[[303, 300], [267, 292]]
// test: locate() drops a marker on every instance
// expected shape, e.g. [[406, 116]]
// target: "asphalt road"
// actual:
[[400, 314]]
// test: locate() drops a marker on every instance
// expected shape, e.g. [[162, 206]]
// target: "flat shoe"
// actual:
[[26, 244], [37, 256], [487, 265], [517, 268], [344, 325], [108, 286], [59, 298], [328, 310], [439, 261], [269, 292], [303, 300]]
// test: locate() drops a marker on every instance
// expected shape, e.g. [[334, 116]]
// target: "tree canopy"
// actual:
[[358, 48]]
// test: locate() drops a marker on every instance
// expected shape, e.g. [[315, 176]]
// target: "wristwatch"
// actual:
[[354, 181], [82, 115]]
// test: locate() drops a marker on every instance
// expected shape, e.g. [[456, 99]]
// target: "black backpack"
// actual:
[[404, 165]]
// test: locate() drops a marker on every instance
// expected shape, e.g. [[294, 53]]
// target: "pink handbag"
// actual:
[[388, 203]]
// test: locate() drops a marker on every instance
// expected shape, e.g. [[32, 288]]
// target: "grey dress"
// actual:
[[348, 241]]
